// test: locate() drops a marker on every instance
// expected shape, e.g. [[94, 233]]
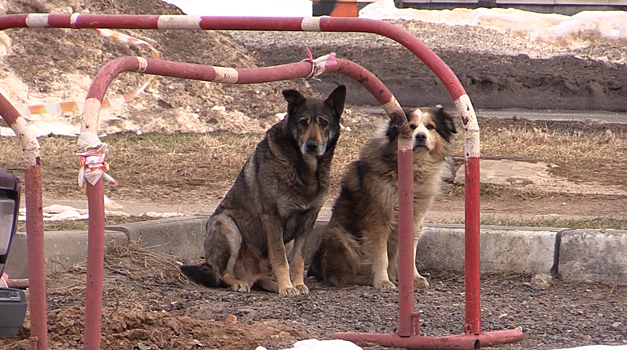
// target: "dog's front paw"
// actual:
[[302, 289], [421, 282], [241, 287], [289, 291], [384, 285]]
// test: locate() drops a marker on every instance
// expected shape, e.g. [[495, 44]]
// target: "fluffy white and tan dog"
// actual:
[[360, 243]]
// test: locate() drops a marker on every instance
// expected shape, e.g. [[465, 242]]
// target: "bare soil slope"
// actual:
[[498, 70], [53, 65]]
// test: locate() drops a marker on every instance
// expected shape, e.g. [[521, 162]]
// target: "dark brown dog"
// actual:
[[360, 243], [275, 200]]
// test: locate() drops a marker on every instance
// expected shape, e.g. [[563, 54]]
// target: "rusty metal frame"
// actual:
[[407, 334]]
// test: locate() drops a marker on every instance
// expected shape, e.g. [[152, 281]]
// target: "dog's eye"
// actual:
[[323, 123], [412, 126], [430, 127], [304, 122]]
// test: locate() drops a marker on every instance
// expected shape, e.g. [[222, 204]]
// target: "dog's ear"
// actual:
[[293, 98], [336, 100], [392, 132], [444, 125]]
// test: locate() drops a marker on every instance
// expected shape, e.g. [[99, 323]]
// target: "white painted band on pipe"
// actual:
[[37, 20], [226, 75], [74, 19], [30, 146], [405, 144], [91, 112], [467, 113], [178, 22], [310, 24], [143, 64], [88, 141], [391, 106]]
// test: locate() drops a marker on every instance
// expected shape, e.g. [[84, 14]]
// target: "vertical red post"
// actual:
[[95, 261], [472, 247], [405, 237], [34, 223], [36, 256]]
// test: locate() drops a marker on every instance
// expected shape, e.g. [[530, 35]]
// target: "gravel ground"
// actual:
[[146, 301]]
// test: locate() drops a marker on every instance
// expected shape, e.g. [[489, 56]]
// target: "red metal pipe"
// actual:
[[458, 342], [325, 24], [472, 249], [36, 254], [329, 24], [242, 76], [500, 337], [301, 69], [462, 341], [408, 319], [34, 223], [405, 237], [95, 259]]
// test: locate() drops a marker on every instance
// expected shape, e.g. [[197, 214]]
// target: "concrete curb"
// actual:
[[62, 249], [593, 256], [505, 249], [573, 255], [182, 236]]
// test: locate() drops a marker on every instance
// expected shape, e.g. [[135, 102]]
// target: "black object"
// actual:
[[12, 301]]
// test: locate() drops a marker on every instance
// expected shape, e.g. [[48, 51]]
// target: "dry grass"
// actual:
[[137, 262], [81, 225], [162, 168], [610, 223], [584, 152], [198, 168]]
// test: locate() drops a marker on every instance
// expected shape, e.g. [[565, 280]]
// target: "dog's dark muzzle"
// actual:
[[311, 147]]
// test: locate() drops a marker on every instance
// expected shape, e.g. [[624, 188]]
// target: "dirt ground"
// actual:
[[498, 70], [149, 305]]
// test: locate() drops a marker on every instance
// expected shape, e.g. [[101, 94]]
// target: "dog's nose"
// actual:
[[312, 146], [420, 140]]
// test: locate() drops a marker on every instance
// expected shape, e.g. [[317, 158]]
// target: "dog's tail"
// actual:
[[204, 274], [315, 266]]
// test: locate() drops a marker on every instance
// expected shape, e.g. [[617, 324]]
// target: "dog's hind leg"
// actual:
[[337, 259], [235, 284], [222, 229], [375, 246]]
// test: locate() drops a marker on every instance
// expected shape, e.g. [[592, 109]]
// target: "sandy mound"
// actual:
[[54, 65]]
